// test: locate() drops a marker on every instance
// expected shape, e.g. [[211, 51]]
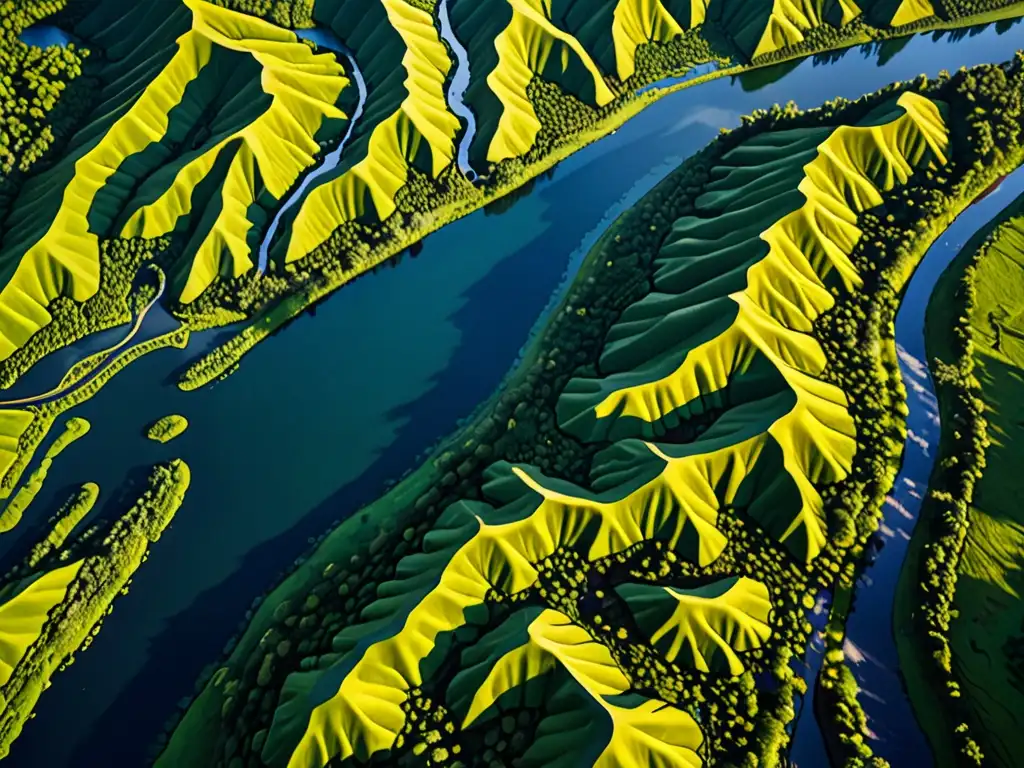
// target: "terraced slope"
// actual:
[[707, 626], [730, 296], [780, 434], [405, 125], [13, 424], [762, 28], [270, 152], [139, 169], [543, 650], [25, 610]]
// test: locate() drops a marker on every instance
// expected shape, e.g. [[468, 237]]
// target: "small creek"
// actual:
[[317, 418], [324, 38]]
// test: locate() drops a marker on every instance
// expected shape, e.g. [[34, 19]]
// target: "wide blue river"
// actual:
[[320, 416]]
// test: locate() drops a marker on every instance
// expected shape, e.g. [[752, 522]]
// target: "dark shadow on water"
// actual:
[[187, 637]]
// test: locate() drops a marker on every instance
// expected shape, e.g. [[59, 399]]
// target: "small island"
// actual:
[[167, 428]]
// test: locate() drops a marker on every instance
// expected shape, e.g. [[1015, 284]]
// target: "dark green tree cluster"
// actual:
[[959, 9], [655, 61]]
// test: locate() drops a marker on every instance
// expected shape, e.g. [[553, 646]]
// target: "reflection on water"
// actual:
[[320, 416], [44, 35], [870, 627]]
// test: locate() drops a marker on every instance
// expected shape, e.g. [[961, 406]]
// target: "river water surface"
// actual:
[[318, 417], [871, 639]]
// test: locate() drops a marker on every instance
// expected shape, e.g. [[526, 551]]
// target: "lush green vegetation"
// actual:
[[582, 483], [962, 578], [396, 179], [55, 601], [75, 429], [38, 110], [64, 522], [174, 160], [167, 428]]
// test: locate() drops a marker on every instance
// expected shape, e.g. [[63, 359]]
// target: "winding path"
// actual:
[[61, 389]]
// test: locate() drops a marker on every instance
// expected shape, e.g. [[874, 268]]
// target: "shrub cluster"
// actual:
[[294, 14], [33, 82]]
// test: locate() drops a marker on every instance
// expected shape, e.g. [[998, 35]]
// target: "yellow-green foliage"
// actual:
[[167, 428], [22, 615], [642, 21], [768, 455], [648, 735], [13, 424], [422, 124], [524, 48], [365, 715], [670, 356], [51, 623], [32, 81], [790, 20], [69, 516], [75, 428], [277, 146], [910, 11], [706, 624]]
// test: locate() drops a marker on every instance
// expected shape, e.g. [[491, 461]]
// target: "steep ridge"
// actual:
[[638, 22], [13, 423], [126, 179], [583, 51], [419, 132], [525, 49], [272, 150], [544, 650], [659, 359], [24, 612], [897, 13], [528, 41], [765, 457]]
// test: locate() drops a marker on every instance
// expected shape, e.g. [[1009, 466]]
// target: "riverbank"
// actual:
[[436, 337], [960, 568], [510, 175], [311, 618]]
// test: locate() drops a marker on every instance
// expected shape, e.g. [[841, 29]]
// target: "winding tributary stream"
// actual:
[[323, 38], [318, 417], [457, 89]]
